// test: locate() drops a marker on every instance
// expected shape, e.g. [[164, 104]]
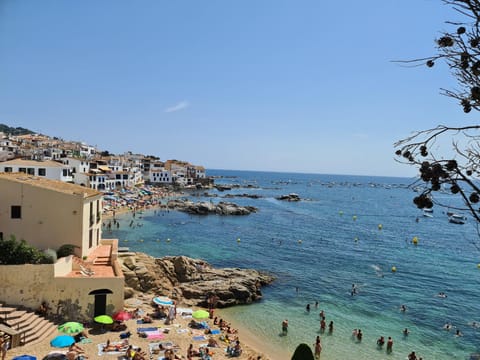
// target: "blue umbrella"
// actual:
[[24, 357], [62, 341]]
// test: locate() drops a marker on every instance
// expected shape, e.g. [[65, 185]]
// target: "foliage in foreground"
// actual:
[[303, 352], [13, 252], [455, 171], [66, 250]]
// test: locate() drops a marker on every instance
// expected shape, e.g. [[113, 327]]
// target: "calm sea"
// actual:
[[346, 230]]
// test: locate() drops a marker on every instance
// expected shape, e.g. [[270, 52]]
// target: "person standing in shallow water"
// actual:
[[285, 327], [389, 345], [318, 348], [330, 327]]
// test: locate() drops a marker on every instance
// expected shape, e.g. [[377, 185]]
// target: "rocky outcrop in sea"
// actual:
[[206, 207], [289, 197], [191, 281]]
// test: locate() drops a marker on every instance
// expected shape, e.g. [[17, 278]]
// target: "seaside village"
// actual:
[[54, 193]]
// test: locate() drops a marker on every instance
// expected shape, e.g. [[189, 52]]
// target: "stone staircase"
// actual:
[[102, 260], [33, 328]]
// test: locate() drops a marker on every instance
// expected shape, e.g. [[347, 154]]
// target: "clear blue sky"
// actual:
[[303, 86]]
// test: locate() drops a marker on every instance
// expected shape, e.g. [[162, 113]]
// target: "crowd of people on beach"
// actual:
[[135, 200]]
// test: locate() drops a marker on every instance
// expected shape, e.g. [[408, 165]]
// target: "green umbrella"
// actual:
[[71, 327], [200, 314], [103, 319]]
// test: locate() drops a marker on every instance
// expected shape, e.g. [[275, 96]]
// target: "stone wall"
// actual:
[[29, 285]]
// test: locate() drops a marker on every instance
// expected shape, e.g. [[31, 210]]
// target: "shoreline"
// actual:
[[250, 340], [259, 345], [137, 201]]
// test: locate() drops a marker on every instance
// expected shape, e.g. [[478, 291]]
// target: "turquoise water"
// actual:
[[341, 244]]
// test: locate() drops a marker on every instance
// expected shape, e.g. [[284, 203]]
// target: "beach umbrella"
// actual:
[[55, 356], [71, 327], [162, 300], [62, 341], [24, 357], [122, 315], [103, 319], [200, 314]]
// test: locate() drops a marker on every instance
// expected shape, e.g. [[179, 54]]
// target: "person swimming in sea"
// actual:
[[354, 290]]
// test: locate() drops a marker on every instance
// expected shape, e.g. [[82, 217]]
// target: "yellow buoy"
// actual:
[[380, 226], [394, 268], [354, 217], [238, 240], [415, 240]]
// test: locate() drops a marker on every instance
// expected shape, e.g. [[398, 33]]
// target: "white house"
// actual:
[[48, 169], [159, 176]]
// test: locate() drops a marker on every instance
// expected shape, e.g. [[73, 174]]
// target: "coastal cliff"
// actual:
[[191, 281]]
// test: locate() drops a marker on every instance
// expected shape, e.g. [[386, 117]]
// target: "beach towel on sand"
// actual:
[[199, 337], [147, 329]]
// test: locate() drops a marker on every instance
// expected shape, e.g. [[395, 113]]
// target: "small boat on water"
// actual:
[[457, 218], [428, 213]]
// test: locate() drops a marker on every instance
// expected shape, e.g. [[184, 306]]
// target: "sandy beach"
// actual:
[[178, 333], [136, 199]]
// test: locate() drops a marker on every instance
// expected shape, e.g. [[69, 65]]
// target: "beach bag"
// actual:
[[125, 335]]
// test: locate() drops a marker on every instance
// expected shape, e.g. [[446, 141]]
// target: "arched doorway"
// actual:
[[100, 301]]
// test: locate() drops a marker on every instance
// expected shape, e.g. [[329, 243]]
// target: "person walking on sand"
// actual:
[[285, 327], [318, 348]]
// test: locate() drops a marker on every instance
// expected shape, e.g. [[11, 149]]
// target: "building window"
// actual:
[[31, 171], [65, 172], [42, 172], [8, 169], [99, 216], [90, 238], [23, 170], [91, 216], [16, 212]]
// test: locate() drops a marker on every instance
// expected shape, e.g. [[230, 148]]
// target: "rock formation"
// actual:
[[289, 197], [206, 207], [191, 281], [245, 195]]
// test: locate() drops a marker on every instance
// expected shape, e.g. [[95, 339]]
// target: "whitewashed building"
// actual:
[[48, 169]]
